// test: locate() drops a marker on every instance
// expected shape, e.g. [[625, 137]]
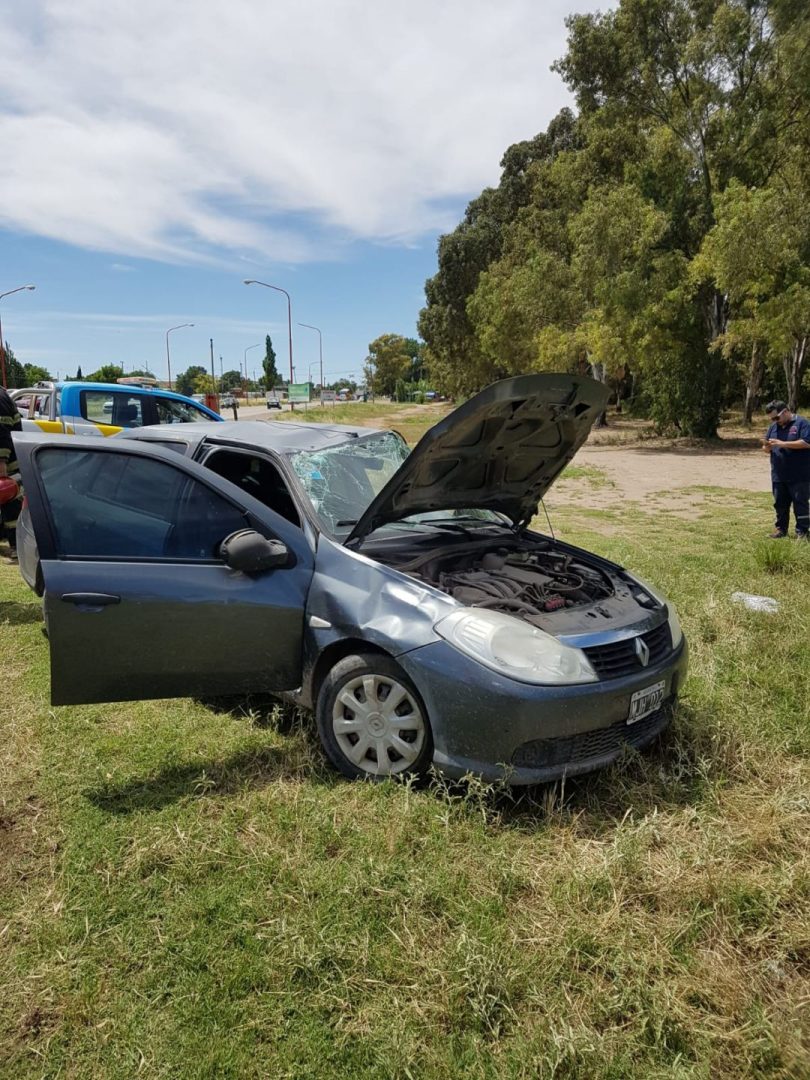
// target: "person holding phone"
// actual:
[[787, 441]]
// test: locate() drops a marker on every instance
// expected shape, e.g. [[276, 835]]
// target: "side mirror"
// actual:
[[250, 552]]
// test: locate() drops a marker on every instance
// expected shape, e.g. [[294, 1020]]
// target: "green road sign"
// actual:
[[299, 392]]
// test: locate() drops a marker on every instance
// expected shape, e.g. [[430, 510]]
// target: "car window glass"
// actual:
[[256, 476], [120, 409], [342, 480], [176, 445], [179, 412], [130, 507]]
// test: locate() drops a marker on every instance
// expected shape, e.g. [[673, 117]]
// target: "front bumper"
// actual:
[[500, 729]]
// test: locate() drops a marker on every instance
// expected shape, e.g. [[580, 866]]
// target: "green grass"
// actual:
[[778, 556], [411, 421], [589, 474], [187, 891]]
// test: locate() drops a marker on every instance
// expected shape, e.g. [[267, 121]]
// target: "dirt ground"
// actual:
[[639, 473]]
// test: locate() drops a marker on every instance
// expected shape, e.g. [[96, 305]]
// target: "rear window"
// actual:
[[170, 411], [111, 407]]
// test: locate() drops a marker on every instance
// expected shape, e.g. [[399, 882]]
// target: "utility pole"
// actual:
[[213, 373]]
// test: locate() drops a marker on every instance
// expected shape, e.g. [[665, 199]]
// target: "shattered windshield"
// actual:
[[341, 481]]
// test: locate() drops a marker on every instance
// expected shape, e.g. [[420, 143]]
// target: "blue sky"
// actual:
[[155, 155]]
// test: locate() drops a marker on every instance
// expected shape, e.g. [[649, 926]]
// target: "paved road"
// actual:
[[261, 412]]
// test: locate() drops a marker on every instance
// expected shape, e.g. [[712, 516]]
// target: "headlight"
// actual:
[[672, 615], [674, 626], [515, 648]]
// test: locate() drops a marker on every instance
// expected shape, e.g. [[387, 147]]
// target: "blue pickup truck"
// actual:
[[90, 408]]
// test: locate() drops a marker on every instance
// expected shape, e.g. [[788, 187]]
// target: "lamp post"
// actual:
[[309, 374], [320, 351], [168, 356], [247, 350], [252, 281], [2, 343]]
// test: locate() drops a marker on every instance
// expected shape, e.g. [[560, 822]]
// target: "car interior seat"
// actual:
[[128, 416], [258, 478]]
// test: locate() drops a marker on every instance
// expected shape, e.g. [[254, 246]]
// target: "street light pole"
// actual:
[[247, 350], [168, 356], [252, 281], [320, 351], [2, 343]]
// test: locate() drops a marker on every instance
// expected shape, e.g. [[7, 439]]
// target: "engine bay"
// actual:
[[528, 581]]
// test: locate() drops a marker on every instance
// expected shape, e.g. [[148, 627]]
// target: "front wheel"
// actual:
[[371, 719]]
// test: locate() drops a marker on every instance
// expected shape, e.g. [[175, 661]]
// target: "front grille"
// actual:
[[571, 749], [620, 658]]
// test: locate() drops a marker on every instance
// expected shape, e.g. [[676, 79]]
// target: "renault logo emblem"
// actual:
[[642, 651]]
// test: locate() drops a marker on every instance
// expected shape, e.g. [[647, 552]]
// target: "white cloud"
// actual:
[[120, 321], [204, 128]]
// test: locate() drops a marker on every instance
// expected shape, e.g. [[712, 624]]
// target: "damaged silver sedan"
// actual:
[[401, 596]]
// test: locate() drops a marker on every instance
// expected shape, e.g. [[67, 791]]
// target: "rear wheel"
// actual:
[[371, 719]]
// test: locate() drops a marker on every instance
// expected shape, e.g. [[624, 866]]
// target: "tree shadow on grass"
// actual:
[[16, 614], [700, 447], [262, 710]]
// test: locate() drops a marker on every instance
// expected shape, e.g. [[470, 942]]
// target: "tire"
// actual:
[[373, 743]]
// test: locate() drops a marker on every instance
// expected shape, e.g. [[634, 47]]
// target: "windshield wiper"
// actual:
[[463, 523]]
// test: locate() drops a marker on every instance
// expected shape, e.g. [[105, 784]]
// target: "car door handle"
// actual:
[[90, 599]]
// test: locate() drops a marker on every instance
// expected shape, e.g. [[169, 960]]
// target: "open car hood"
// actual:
[[501, 451]]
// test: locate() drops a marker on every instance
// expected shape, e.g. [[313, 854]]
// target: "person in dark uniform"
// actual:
[[10, 420], [788, 443]]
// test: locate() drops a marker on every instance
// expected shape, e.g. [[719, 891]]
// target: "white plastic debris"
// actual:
[[756, 603]]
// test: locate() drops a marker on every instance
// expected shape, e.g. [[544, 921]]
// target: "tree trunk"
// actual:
[[715, 314], [598, 372], [793, 364], [755, 373]]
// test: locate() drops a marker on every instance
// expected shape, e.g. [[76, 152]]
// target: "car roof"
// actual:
[[130, 388], [284, 437]]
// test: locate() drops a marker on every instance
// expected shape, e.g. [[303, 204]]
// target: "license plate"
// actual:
[[646, 701]]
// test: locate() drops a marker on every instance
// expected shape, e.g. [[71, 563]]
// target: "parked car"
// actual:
[[88, 408], [273, 401], [402, 596]]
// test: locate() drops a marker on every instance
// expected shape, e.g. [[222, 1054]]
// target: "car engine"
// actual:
[[529, 584]]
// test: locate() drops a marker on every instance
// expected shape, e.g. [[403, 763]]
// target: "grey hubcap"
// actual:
[[378, 725]]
